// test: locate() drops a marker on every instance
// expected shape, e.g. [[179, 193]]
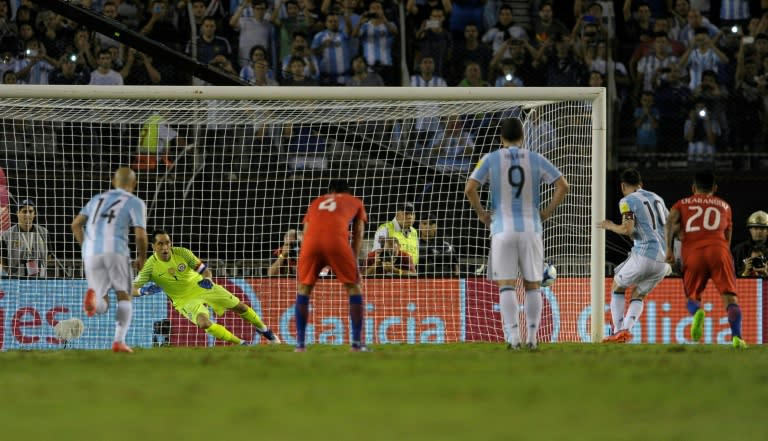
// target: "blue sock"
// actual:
[[693, 306], [302, 313], [356, 317], [734, 319]]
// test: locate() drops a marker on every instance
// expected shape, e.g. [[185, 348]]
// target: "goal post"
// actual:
[[228, 171]]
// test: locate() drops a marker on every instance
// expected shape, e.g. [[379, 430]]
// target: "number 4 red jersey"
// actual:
[[326, 238], [329, 217], [704, 221]]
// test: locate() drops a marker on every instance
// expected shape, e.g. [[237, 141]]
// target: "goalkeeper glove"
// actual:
[[205, 283], [149, 290]]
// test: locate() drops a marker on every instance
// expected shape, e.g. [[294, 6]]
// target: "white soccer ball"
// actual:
[[69, 329], [549, 276]]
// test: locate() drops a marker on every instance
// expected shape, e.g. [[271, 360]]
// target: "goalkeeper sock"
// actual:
[[222, 333], [124, 314], [302, 314], [633, 314], [532, 313], [356, 317], [251, 317], [510, 314], [692, 306], [734, 319], [617, 310]]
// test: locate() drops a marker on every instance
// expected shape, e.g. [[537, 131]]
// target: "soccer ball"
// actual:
[[550, 275]]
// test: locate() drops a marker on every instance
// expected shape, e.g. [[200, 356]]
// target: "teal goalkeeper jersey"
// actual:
[[177, 277]]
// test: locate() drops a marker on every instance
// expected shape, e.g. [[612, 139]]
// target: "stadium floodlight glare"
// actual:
[[230, 169]]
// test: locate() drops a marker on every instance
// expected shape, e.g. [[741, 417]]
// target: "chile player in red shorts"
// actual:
[[326, 243], [704, 223]]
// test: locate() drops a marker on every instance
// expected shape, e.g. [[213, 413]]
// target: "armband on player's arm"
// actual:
[[201, 267]]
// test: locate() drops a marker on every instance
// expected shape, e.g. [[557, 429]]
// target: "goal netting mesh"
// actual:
[[230, 178]]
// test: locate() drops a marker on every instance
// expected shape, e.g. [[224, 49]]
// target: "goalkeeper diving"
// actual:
[[186, 280]]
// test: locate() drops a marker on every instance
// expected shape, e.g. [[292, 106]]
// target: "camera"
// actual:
[[31, 52], [386, 255], [432, 24], [758, 261], [508, 77], [73, 58], [703, 113]]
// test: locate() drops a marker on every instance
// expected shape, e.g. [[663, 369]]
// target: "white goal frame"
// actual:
[[597, 97]]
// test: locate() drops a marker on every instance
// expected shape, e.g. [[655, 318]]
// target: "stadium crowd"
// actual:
[[684, 75]]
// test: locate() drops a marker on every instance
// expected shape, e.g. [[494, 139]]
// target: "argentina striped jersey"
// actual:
[[110, 216], [514, 176], [650, 215]]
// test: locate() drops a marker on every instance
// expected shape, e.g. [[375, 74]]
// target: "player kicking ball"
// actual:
[[186, 280]]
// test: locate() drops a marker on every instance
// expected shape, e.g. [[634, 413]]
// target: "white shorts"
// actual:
[[641, 272], [105, 271], [515, 254]]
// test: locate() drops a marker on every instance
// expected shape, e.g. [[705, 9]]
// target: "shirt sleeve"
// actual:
[[145, 274]]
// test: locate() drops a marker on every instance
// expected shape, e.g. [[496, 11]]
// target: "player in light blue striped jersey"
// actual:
[[515, 218], [101, 228], [643, 215]]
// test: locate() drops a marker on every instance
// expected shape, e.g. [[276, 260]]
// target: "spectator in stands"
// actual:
[[672, 99], [426, 127], [362, 76], [473, 76], [646, 123], [377, 35], [508, 75], [636, 25], [300, 49], [69, 72], [139, 69], [389, 260], [208, 45], [54, 35], [433, 40], [678, 18], [37, 65], [470, 50], [503, 30], [286, 256], [307, 147], [160, 26], [258, 53], [716, 97], [702, 55], [25, 245], [734, 13], [463, 13], [101, 41], [452, 148], [261, 74], [86, 57], [748, 105], [545, 26], [157, 142], [437, 256], [419, 11], [400, 228], [561, 67], [696, 21], [701, 131], [7, 27], [104, 75], [297, 19], [198, 14], [252, 22], [331, 47], [649, 66], [297, 69]]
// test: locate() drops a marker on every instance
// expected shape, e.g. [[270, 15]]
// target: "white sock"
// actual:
[[633, 314], [510, 314], [124, 314], [532, 313], [617, 311], [101, 305]]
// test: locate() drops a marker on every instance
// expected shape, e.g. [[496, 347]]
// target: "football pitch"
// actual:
[[398, 392]]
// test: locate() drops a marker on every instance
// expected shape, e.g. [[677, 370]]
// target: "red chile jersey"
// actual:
[[704, 220], [329, 217]]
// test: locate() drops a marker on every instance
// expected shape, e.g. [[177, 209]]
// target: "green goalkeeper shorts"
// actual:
[[217, 298]]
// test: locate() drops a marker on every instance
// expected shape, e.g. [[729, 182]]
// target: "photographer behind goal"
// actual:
[[751, 256], [389, 260]]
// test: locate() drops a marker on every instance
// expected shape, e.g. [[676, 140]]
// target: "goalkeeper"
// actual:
[[186, 280]]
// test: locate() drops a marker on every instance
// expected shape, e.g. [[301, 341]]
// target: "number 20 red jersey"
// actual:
[[704, 221]]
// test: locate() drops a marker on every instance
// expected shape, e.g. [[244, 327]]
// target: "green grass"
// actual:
[[441, 392]]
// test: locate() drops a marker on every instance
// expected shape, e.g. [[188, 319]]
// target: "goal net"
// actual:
[[229, 173]]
